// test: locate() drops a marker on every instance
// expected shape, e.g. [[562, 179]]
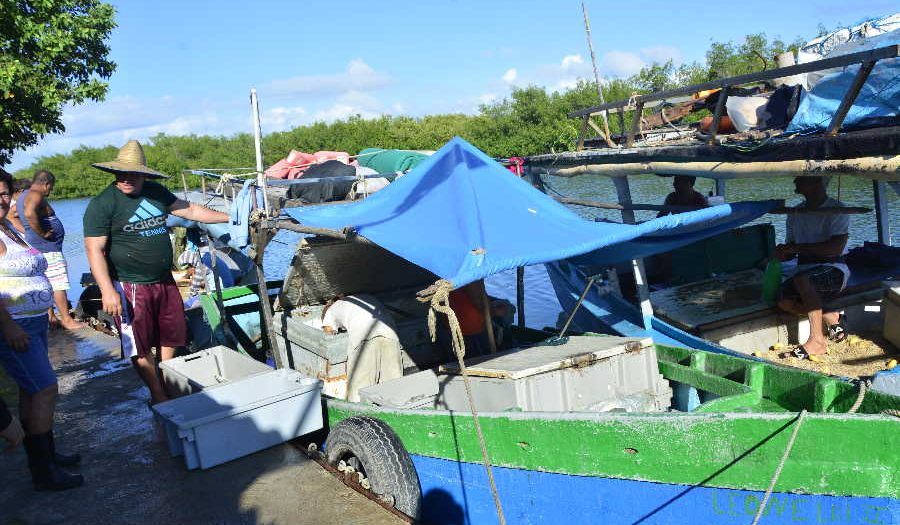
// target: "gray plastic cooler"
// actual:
[[206, 368], [235, 419]]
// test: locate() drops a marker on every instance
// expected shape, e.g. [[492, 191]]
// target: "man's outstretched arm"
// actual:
[[195, 212]]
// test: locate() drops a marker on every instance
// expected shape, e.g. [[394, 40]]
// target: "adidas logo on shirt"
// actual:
[[147, 220]]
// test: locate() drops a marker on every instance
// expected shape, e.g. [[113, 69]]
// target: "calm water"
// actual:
[[542, 308]]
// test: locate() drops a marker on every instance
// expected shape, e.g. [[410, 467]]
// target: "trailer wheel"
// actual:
[[371, 447]]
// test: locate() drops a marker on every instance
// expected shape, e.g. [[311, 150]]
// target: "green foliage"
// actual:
[[52, 53], [530, 121]]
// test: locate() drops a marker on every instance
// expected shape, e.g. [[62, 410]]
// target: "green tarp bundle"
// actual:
[[390, 160]]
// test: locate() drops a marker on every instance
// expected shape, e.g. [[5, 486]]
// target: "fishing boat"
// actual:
[[589, 428], [660, 426]]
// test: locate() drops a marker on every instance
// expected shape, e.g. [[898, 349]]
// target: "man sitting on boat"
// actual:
[[684, 195], [127, 245], [819, 241], [373, 354]]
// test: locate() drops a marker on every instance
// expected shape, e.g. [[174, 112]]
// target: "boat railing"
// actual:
[[638, 103]]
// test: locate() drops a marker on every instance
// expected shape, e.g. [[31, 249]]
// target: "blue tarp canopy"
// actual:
[[462, 216]]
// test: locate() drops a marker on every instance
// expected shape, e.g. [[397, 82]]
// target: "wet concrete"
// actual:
[[131, 477]]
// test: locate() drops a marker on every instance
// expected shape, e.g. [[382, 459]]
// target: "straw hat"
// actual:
[[130, 160]]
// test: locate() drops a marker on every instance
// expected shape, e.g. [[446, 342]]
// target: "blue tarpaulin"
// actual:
[[464, 217], [876, 105]]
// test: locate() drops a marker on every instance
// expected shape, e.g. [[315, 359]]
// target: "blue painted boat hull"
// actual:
[[456, 493]]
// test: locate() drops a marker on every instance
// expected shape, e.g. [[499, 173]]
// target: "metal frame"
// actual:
[[639, 102]]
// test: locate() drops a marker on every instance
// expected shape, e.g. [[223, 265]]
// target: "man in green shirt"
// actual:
[[128, 248]]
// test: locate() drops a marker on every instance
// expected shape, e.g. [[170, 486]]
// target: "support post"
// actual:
[[717, 116], [838, 119], [882, 215], [635, 124], [584, 126], [520, 296], [637, 265], [720, 188], [260, 240], [257, 140]]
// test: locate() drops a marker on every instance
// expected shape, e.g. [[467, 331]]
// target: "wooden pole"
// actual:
[[257, 140], [838, 119], [520, 296], [604, 114], [488, 322], [261, 238], [877, 168]]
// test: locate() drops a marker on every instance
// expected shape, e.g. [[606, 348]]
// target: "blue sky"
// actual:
[[187, 66]]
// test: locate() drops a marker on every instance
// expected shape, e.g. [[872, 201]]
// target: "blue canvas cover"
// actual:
[[462, 216], [876, 105]]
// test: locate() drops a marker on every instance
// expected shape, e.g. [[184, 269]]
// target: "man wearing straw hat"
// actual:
[[130, 254]]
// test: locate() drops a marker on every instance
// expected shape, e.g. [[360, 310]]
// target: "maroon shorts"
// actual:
[[152, 316]]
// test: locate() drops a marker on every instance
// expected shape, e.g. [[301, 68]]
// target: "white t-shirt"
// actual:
[[807, 228], [362, 316]]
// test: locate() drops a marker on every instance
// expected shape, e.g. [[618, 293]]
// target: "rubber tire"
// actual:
[[386, 463]]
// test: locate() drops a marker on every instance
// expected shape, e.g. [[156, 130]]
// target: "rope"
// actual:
[[438, 295], [784, 457], [863, 388]]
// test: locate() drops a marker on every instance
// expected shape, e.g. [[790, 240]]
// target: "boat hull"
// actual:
[[458, 493], [640, 468]]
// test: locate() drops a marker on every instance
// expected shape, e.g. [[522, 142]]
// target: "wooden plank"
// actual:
[[872, 55], [838, 119]]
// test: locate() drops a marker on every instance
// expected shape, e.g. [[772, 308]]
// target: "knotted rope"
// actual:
[[438, 297]]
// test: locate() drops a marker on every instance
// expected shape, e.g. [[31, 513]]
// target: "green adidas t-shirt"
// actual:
[[138, 246]]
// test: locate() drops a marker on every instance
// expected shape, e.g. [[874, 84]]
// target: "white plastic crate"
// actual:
[[214, 366], [235, 419]]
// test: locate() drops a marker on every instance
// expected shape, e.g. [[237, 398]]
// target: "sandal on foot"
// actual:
[[798, 353], [837, 332], [801, 354]]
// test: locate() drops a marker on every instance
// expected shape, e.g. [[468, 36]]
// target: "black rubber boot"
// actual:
[[63, 460], [45, 474]]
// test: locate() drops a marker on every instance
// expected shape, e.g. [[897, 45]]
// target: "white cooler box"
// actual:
[[214, 366], [241, 417]]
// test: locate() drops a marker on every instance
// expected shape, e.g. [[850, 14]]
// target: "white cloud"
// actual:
[[621, 63], [349, 104], [282, 118], [661, 54], [570, 61], [510, 76], [358, 76]]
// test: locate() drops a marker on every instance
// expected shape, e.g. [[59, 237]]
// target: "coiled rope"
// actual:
[[438, 297]]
